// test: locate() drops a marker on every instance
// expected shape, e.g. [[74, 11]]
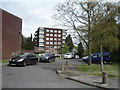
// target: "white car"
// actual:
[[69, 55]]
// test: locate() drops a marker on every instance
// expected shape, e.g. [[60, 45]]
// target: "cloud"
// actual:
[[33, 14]]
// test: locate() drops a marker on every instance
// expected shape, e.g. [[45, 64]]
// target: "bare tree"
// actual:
[[80, 16]]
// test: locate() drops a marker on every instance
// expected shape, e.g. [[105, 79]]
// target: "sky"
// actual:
[[34, 13]]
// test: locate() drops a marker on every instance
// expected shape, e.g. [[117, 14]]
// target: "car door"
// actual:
[[29, 59], [53, 57], [34, 58], [94, 57]]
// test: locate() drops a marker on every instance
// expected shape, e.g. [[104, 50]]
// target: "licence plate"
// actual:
[[13, 64]]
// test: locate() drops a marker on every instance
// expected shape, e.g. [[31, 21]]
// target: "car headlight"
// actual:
[[20, 60], [47, 57]]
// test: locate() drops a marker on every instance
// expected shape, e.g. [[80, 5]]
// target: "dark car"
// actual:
[[47, 57], [24, 59], [96, 57]]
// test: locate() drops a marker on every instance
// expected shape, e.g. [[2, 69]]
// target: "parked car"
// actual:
[[96, 57], [69, 55], [47, 57], [24, 59]]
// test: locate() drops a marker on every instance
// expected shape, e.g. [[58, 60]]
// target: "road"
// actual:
[[42, 75]]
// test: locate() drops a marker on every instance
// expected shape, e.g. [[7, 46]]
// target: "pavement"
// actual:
[[89, 79]]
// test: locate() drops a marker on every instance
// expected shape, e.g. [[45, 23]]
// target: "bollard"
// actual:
[[62, 67], [104, 77], [66, 62]]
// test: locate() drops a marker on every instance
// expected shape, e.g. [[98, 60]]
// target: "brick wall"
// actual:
[[11, 35]]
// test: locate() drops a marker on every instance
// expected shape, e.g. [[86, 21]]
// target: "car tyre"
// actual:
[[24, 63], [53, 60], [49, 61], [105, 62], [36, 62]]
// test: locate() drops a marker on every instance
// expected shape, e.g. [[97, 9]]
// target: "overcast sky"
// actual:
[[34, 13]]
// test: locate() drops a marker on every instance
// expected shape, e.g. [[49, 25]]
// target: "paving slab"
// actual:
[[90, 79]]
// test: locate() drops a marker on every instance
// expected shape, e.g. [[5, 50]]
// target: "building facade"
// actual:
[[11, 35], [49, 39]]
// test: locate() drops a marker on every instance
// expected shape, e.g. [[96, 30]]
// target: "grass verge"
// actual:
[[4, 61], [58, 57], [95, 69]]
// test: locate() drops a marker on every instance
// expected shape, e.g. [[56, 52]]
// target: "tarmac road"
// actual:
[[42, 75]]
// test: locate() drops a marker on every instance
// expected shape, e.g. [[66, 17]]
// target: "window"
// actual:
[[51, 30], [47, 30], [59, 31], [55, 43], [47, 46], [47, 34], [55, 39], [51, 42], [55, 46], [58, 46], [51, 34], [47, 38], [51, 46], [59, 35], [51, 38], [55, 35], [59, 43], [47, 42], [55, 31], [59, 39]]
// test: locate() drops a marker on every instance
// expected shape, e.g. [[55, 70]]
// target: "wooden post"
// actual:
[[66, 62], [101, 58], [104, 78]]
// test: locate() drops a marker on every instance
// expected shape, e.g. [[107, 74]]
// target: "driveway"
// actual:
[[42, 75]]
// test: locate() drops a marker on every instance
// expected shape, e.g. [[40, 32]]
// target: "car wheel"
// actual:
[[105, 62], [36, 62], [49, 61], [24, 63], [53, 60]]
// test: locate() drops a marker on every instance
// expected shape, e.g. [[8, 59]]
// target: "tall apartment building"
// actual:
[[49, 39], [10, 35]]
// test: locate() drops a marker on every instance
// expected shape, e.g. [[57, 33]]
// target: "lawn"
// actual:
[[4, 61], [95, 69]]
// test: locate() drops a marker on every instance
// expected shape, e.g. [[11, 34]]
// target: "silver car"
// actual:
[[69, 55]]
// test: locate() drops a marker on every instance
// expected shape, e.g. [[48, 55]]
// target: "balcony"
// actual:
[[64, 34], [41, 40], [41, 36], [41, 45]]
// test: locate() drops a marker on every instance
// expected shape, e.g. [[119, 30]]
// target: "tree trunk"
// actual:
[[89, 31], [89, 50], [101, 58]]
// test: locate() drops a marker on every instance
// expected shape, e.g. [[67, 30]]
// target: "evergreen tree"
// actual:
[[80, 50], [64, 49], [68, 41], [27, 43]]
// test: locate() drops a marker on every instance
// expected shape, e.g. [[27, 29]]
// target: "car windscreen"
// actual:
[[47, 54], [68, 54], [23, 55]]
